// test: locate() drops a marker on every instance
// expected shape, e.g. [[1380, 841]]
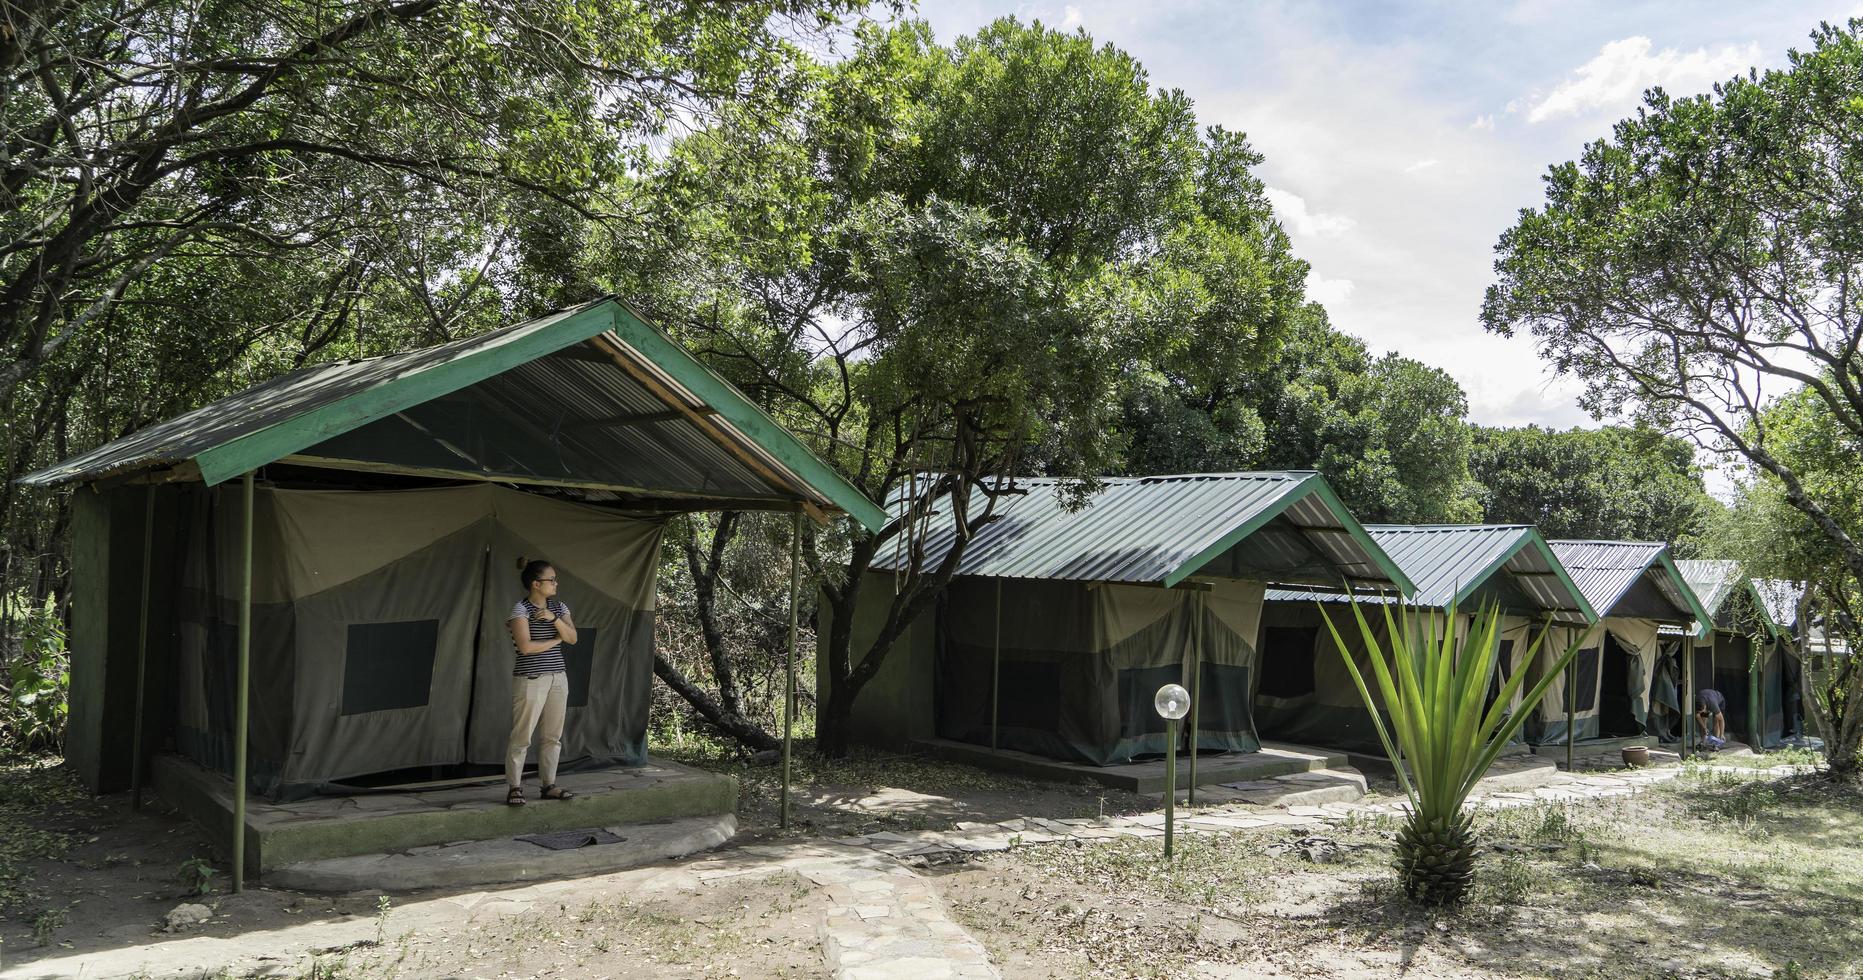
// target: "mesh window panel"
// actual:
[[579, 658], [388, 665], [1503, 670], [1287, 661], [1223, 698], [1137, 687], [1732, 683], [1704, 671], [1031, 696], [1587, 672]]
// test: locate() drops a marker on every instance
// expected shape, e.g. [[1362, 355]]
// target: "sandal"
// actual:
[[515, 797], [555, 792]]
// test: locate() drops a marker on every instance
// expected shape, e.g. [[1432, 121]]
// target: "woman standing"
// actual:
[[540, 625]]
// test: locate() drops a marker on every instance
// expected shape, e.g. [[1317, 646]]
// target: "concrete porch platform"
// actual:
[[280, 834], [1513, 770], [1274, 759], [486, 862]]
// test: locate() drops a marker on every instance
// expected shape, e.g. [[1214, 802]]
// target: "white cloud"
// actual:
[[1330, 293], [1420, 165], [1070, 16], [1623, 69], [1303, 222], [1483, 122]]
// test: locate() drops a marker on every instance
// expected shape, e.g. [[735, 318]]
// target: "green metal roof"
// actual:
[[1716, 582], [1632, 580], [1161, 530], [1468, 564], [591, 400], [1779, 598]]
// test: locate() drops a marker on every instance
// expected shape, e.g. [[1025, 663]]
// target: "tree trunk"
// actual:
[[735, 725]]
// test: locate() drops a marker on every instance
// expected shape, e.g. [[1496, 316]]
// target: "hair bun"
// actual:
[[521, 562]]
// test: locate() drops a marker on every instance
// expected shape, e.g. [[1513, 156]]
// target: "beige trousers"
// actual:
[[534, 700]]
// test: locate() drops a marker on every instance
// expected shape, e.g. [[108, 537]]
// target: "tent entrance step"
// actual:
[[370, 825], [485, 862], [1146, 776]]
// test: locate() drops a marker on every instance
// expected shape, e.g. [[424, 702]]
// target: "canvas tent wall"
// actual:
[[379, 642], [390, 497], [1747, 657], [1308, 696], [1785, 667], [1635, 588], [1156, 580]]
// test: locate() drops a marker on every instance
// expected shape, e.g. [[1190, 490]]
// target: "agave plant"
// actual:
[[1441, 738]]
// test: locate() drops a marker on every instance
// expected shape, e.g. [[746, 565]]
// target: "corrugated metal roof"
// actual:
[[1159, 530], [1451, 563], [1779, 598], [182, 438], [589, 401], [1630, 578], [1713, 580]]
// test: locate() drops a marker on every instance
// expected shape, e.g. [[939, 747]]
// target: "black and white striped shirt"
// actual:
[[547, 661]]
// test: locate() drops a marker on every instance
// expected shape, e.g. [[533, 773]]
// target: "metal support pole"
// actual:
[[996, 664], [1170, 785], [242, 683], [1756, 726], [142, 654], [1196, 688], [1688, 695], [789, 667]]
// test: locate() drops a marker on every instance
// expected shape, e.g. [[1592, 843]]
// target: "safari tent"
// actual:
[[1061, 622], [1746, 655], [1307, 695], [1635, 588], [316, 570]]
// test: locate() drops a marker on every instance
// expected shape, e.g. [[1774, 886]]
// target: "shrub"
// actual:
[[38, 679]]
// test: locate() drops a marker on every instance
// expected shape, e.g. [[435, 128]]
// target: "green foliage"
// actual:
[[1614, 483], [956, 260], [1700, 265], [38, 675], [1388, 432], [197, 875], [1442, 736], [201, 195]]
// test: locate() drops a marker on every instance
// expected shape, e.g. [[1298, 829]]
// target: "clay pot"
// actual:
[[1636, 755]]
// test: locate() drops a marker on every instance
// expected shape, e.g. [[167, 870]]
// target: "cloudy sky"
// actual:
[[1401, 139]]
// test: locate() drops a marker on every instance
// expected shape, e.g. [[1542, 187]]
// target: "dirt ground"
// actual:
[[80, 875], [874, 791], [1706, 878], [1709, 876]]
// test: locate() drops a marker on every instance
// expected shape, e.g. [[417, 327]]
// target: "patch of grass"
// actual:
[[1510, 880]]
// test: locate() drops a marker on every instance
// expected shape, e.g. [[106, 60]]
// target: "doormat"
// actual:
[[569, 840]]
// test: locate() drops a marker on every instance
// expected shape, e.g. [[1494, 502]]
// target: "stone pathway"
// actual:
[[887, 921]]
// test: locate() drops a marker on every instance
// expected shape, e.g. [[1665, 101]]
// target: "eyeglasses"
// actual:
[[549, 580]]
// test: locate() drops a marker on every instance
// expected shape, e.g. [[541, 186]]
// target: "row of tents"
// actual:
[[302, 585], [1062, 620]]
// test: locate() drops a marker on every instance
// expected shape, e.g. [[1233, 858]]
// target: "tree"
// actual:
[[944, 269], [1766, 532], [1706, 259], [1388, 432], [1614, 483], [197, 195]]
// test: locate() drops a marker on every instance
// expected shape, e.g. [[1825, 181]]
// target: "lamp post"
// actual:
[[1172, 702]]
